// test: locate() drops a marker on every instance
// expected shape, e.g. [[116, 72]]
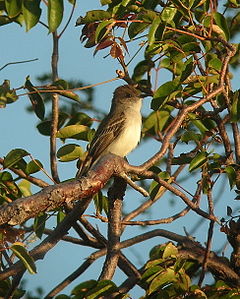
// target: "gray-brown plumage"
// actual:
[[119, 132]]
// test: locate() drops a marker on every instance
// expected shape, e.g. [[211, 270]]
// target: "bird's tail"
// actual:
[[84, 166]]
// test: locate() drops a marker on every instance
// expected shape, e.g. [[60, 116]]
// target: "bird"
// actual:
[[120, 131]]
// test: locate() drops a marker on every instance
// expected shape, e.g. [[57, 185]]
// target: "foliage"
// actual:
[[194, 111]]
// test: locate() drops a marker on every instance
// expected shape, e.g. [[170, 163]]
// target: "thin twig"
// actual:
[[209, 237], [55, 111], [69, 19], [23, 175], [17, 62]]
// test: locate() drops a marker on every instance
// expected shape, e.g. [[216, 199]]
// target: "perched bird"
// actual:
[[120, 131]]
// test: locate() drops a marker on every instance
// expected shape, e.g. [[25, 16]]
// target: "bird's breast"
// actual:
[[129, 137]]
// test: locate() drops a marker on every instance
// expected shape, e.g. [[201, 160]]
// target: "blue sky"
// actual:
[[18, 131]]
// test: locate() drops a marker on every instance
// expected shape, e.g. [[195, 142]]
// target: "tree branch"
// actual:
[[53, 197], [115, 198]]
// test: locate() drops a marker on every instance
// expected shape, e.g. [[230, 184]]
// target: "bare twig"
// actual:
[[69, 19], [209, 239], [55, 112], [115, 198], [17, 62]]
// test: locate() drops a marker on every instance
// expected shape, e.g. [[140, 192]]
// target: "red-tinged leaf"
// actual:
[[123, 43], [116, 51], [104, 44], [122, 25]]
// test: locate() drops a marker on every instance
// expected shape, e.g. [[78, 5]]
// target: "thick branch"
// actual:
[[47, 244], [53, 197], [115, 196]]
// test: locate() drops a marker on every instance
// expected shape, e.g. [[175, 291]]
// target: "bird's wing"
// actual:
[[106, 133]]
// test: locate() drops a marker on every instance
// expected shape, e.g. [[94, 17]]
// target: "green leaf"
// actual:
[[61, 86], [14, 156], [102, 30], [152, 30], [44, 127], [5, 176], [141, 68], [166, 89], [235, 109], [170, 251], [151, 272], [7, 95], [221, 22], [229, 211], [103, 288], [13, 7], [101, 202], [125, 2], [31, 12], [152, 50], [69, 94], [72, 131], [136, 28], [198, 161], [161, 95], [147, 16], [25, 188], [215, 63], [83, 288], [36, 99], [55, 14], [191, 47], [62, 296], [162, 279], [69, 152], [60, 216], [105, 2], [20, 251], [190, 136], [4, 20], [39, 224], [168, 13], [33, 166], [157, 120], [188, 69], [93, 16], [231, 174]]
